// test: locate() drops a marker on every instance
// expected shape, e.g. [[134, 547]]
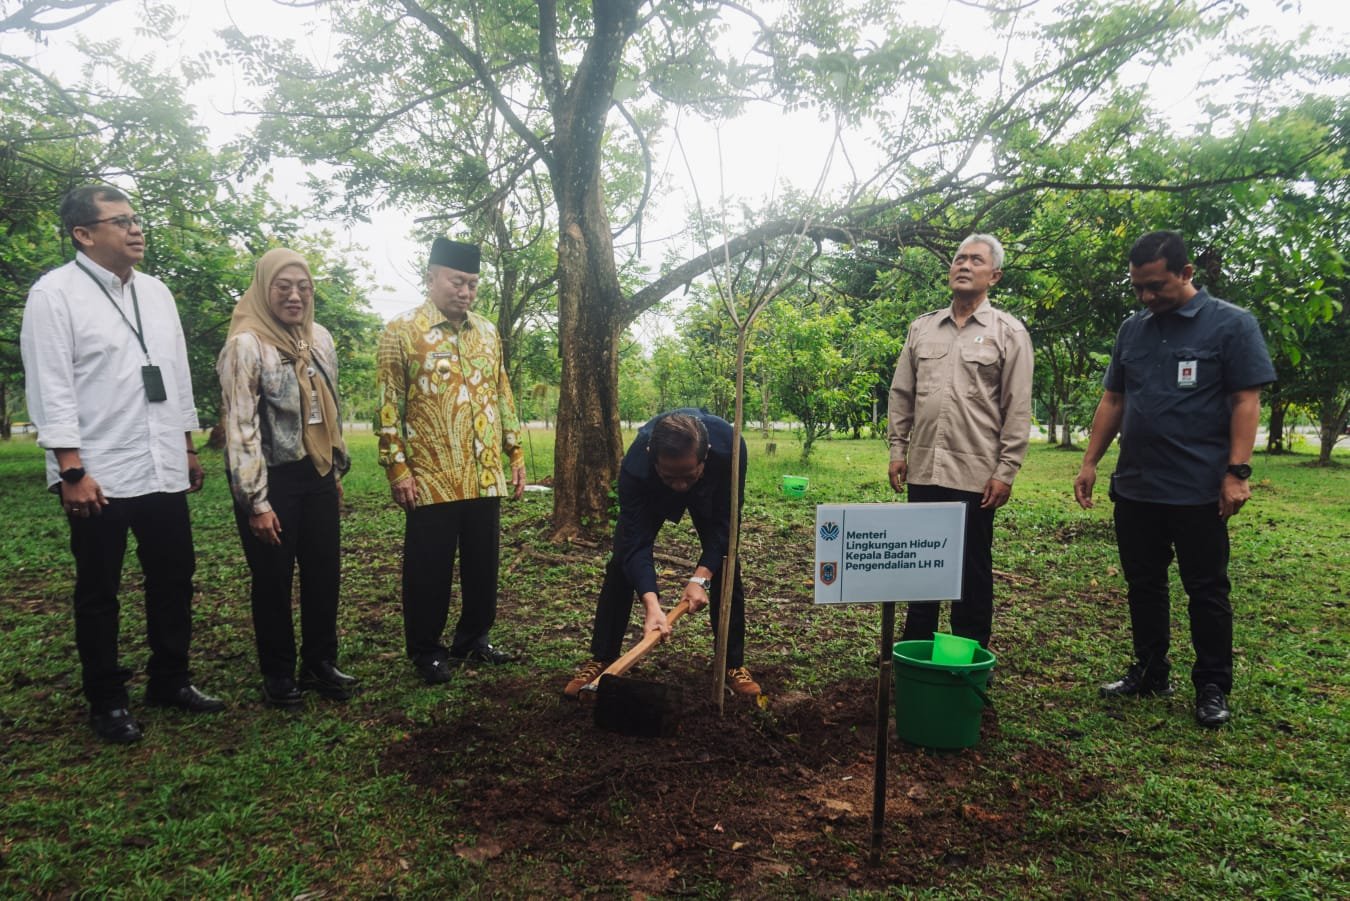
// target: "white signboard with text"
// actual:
[[873, 553]]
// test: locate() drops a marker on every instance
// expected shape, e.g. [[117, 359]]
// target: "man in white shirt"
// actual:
[[108, 387]]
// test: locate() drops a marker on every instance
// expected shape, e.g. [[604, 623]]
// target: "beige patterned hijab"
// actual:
[[294, 342]]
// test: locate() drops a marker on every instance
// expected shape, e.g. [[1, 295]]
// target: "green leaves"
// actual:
[[815, 362]]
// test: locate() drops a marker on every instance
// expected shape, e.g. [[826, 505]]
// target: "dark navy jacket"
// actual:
[[646, 503]]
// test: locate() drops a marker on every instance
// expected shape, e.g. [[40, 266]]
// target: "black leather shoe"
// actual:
[[435, 671], [115, 726], [281, 691], [186, 698], [1211, 707], [325, 678], [1139, 682], [483, 654]]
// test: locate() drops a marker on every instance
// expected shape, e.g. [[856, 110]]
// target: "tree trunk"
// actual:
[[6, 424], [508, 275], [808, 439], [1275, 433], [764, 422], [1335, 413], [589, 443]]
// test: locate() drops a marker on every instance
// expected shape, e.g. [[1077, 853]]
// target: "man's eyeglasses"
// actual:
[[123, 222]]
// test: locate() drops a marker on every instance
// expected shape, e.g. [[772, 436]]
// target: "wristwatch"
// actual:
[[1240, 470], [701, 582], [73, 475]]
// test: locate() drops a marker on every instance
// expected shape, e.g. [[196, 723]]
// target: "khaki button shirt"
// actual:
[[446, 409], [960, 401]]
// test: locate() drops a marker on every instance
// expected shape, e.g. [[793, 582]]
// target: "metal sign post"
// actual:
[[884, 553], [883, 732]]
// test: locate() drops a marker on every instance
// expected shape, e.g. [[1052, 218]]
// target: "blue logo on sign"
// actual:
[[829, 531]]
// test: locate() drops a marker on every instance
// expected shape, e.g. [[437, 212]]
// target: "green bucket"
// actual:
[[794, 486], [939, 705]]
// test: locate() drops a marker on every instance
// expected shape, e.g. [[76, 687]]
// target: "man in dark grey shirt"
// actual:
[[1183, 390]]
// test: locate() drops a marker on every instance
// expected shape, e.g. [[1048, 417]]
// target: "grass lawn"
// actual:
[[490, 786]]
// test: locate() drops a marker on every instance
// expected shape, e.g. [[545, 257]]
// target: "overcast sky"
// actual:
[[760, 151]]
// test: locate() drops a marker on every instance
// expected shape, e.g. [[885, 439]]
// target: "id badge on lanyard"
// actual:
[[151, 377], [1187, 373], [315, 411], [154, 384]]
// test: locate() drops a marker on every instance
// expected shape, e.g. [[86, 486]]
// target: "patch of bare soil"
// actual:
[[767, 802]]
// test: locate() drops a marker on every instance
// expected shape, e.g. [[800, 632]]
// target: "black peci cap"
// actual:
[[455, 254]]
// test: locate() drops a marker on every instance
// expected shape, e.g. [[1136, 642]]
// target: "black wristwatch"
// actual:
[[1240, 470], [73, 475]]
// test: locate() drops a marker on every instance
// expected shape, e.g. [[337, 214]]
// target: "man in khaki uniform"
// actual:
[[960, 418]]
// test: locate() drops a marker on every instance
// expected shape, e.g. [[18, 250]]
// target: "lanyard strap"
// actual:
[[136, 329]]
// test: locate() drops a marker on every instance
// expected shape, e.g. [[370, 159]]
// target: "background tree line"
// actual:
[[532, 128], [203, 230]]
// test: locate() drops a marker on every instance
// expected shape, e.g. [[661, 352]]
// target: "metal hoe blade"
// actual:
[[634, 707]]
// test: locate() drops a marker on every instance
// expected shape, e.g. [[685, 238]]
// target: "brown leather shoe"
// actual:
[[740, 682], [586, 674]]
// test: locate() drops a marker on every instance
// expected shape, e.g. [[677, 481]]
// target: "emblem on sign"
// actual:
[[829, 531], [829, 572]]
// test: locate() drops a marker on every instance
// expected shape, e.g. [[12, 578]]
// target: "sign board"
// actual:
[[873, 553]]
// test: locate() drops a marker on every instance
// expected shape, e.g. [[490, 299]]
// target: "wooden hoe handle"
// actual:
[[639, 650]]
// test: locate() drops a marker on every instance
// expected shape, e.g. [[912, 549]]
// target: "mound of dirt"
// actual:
[[768, 799]]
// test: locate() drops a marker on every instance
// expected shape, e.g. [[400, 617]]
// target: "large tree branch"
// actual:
[[582, 114], [848, 230], [1183, 187], [57, 90], [485, 76], [550, 69], [25, 18], [859, 224], [640, 210]]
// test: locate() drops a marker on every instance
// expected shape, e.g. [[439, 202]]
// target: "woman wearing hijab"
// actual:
[[284, 455]]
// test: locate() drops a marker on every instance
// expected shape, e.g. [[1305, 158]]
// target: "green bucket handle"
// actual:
[[973, 686]]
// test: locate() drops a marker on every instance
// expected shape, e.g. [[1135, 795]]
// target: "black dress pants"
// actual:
[[163, 530], [615, 608], [306, 503], [1146, 534], [973, 615], [432, 534]]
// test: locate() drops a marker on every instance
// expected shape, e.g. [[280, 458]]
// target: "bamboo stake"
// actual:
[[780, 278]]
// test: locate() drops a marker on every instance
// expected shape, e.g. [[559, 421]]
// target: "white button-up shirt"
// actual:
[[82, 366]]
